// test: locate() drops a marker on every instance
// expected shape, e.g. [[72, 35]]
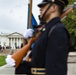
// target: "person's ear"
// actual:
[[53, 8]]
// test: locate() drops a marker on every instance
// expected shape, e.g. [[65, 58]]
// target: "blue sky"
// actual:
[[13, 15]]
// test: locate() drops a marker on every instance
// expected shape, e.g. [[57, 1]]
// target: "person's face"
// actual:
[[52, 9], [42, 11]]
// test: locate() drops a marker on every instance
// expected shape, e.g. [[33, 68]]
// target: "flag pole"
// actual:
[[29, 14]]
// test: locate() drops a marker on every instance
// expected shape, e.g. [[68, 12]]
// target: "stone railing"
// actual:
[[72, 57]]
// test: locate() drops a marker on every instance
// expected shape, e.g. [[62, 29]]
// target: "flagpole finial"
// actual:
[[28, 1]]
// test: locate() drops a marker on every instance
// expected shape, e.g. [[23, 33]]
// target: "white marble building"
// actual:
[[12, 40]]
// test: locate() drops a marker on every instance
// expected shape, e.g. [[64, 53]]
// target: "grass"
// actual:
[[2, 60]]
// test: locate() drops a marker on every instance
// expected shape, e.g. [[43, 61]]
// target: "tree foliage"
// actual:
[[70, 22]]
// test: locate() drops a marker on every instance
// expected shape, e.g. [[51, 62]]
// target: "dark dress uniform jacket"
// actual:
[[51, 52]]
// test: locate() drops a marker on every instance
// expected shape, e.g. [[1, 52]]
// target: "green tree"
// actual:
[[70, 22]]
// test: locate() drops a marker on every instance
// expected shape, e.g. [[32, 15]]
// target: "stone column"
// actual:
[[11, 43], [17, 41], [14, 43]]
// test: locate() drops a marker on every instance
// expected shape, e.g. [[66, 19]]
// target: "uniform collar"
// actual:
[[53, 21]]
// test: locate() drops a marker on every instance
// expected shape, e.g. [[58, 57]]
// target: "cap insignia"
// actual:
[[62, 1]]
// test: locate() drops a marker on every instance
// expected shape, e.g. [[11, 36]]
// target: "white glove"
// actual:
[[28, 33], [10, 61]]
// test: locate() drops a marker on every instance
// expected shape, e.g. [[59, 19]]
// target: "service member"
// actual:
[[50, 51]]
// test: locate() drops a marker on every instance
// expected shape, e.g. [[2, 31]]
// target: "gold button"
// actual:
[[53, 0], [44, 29]]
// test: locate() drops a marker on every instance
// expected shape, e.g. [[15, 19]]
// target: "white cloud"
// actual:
[[13, 14]]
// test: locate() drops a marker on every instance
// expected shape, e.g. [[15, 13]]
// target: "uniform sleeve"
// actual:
[[56, 52]]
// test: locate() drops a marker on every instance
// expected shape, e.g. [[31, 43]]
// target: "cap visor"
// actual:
[[42, 4]]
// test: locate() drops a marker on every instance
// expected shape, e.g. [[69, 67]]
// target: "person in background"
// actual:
[[0, 48]]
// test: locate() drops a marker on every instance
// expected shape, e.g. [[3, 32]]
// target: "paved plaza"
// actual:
[[5, 70]]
